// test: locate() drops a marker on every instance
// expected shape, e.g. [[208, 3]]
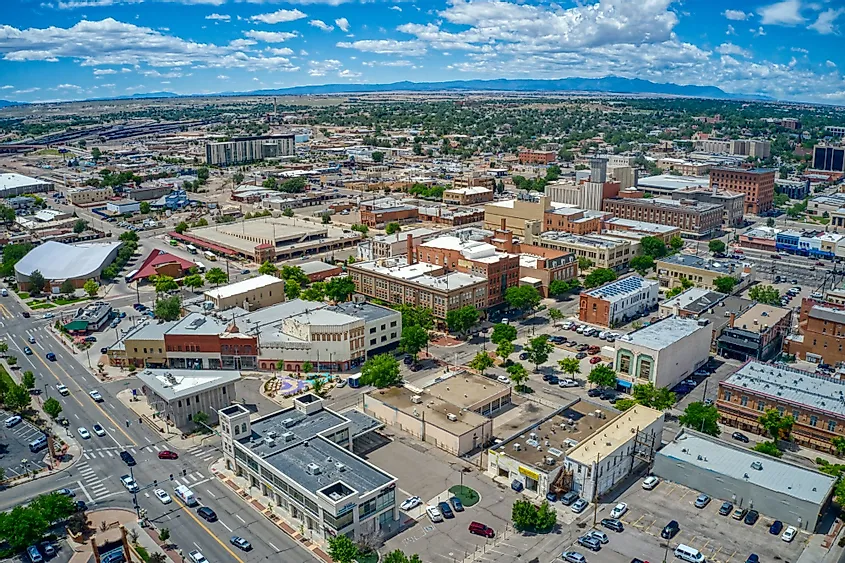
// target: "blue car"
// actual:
[[51, 356], [457, 504], [551, 497], [517, 485], [445, 510]]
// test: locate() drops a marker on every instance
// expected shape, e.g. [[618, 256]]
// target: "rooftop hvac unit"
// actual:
[[271, 434], [271, 441], [416, 399], [517, 447], [452, 417], [288, 422], [313, 469], [339, 466], [288, 436]]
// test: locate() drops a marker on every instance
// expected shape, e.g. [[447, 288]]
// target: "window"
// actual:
[[831, 426], [366, 509], [761, 406], [744, 401], [814, 420], [728, 395], [373, 330], [392, 324], [625, 364], [392, 335], [795, 414]]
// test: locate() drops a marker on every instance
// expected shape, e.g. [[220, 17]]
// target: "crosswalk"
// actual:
[[114, 451], [205, 454], [194, 478], [93, 486]]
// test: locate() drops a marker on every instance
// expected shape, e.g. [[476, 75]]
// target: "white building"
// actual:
[[12, 184], [614, 452], [249, 149], [663, 353], [178, 395], [301, 458]]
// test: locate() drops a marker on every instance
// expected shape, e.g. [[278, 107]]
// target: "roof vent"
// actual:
[[288, 422], [313, 469], [288, 436], [339, 466], [270, 441]]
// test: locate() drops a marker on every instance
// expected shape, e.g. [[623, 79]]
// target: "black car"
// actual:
[[523, 356], [26, 315], [80, 506], [751, 517], [740, 436], [612, 524], [594, 392], [581, 355], [445, 510], [776, 527], [726, 508], [607, 395], [127, 458], [408, 360], [207, 514], [553, 380], [670, 530]]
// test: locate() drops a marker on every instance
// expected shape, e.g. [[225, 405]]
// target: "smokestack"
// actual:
[[732, 319], [410, 247], [504, 226]]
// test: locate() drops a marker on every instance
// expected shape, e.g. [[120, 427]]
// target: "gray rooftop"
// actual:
[[672, 182], [150, 330], [790, 385], [316, 267], [723, 458], [722, 266], [695, 300], [170, 384], [663, 333], [621, 288], [196, 323], [827, 313], [360, 423], [303, 426], [366, 311], [402, 236]]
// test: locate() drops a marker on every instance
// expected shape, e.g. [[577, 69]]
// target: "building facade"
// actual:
[[537, 157], [821, 333], [702, 272], [177, 396], [618, 301], [249, 149], [694, 218], [89, 194], [468, 196], [757, 334], [733, 203], [757, 184], [829, 158], [250, 294], [602, 251]]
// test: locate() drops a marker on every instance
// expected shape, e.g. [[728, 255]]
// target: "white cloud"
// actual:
[[737, 15], [787, 12], [68, 87], [824, 23], [385, 46], [27, 91], [799, 50], [731, 30], [399, 63], [222, 77], [321, 68], [7, 87], [830, 64], [271, 36], [397, 8], [75, 4], [731, 49], [342, 24], [102, 71], [283, 52], [320, 24], [219, 17], [279, 16], [346, 73]]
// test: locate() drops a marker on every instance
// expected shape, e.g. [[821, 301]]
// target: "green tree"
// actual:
[[342, 549], [765, 294], [4, 347], [414, 339], [602, 376], [326, 218], [378, 156], [18, 398], [91, 288], [522, 297], [523, 515], [546, 518], [642, 264], [145, 207], [770, 222], [12, 253], [555, 315], [129, 236], [54, 507], [653, 246], [584, 263], [202, 174], [570, 366], [237, 179], [163, 284], [200, 419], [339, 289], [268, 269], [194, 281], [768, 448], [538, 350], [79, 226], [503, 333], [216, 276], [96, 154], [599, 276], [37, 283], [676, 243], [363, 229], [168, 308], [67, 287], [777, 425], [677, 290], [295, 273], [481, 362], [716, 246], [504, 349], [724, 284], [307, 367], [559, 287], [462, 320], [292, 289], [22, 526], [624, 404], [52, 407], [701, 417], [416, 316], [181, 227], [28, 380], [392, 228], [838, 443], [164, 534], [288, 212], [397, 556], [657, 398], [317, 292], [380, 371], [518, 374]]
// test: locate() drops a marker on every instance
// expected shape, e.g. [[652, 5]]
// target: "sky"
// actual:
[[82, 49]]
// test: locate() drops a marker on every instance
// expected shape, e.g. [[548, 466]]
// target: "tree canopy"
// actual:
[[216, 276], [724, 284], [380, 371], [716, 246], [481, 362], [599, 276], [602, 376], [765, 294], [653, 246], [414, 339], [460, 321], [503, 332], [701, 417], [340, 288], [168, 308], [522, 297], [538, 350]]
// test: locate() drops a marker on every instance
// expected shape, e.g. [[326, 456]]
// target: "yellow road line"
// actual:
[[728, 560], [637, 521], [705, 545], [647, 528], [75, 398], [204, 527], [6, 312]]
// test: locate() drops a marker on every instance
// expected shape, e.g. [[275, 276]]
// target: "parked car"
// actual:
[[670, 530], [523, 356], [410, 503], [553, 380], [503, 379], [740, 437], [590, 543], [789, 534], [612, 524], [456, 503], [739, 513], [595, 392], [569, 498], [517, 485], [595, 360], [445, 509], [579, 505], [753, 558], [751, 517], [207, 514], [573, 557], [619, 510], [568, 383], [480, 529], [776, 528], [581, 355], [433, 514], [13, 421], [702, 501], [726, 508], [551, 497], [600, 537]]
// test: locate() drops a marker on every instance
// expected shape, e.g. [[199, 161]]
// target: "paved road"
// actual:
[[96, 477]]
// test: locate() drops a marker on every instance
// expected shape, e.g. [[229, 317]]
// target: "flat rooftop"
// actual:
[[12, 180], [641, 226], [695, 300], [593, 241], [767, 315], [171, 384], [279, 232], [789, 385], [663, 333], [612, 435], [621, 288], [436, 409], [724, 458], [563, 432], [688, 260], [316, 267], [466, 389], [366, 311], [243, 286], [670, 182], [402, 236]]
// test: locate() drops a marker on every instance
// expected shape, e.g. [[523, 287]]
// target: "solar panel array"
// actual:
[[617, 288]]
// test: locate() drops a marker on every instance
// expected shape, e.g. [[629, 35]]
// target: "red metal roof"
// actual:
[[157, 258]]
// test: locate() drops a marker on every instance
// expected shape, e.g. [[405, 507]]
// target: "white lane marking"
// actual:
[[211, 494], [239, 518], [85, 491], [273, 546], [225, 526]]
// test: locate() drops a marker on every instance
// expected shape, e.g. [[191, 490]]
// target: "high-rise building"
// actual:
[[248, 149], [829, 159], [757, 184]]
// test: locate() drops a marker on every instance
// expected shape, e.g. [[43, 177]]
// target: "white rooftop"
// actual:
[[663, 333], [59, 261], [672, 182], [469, 191], [12, 180], [242, 286], [171, 384]]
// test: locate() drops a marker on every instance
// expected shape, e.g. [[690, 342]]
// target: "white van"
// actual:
[[186, 495], [688, 553]]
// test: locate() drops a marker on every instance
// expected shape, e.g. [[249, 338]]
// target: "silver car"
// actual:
[[579, 505]]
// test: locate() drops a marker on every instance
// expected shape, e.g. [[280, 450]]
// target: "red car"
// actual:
[[595, 360], [167, 454]]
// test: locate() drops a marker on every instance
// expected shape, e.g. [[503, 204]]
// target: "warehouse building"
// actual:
[[249, 294], [58, 262], [17, 184], [776, 489]]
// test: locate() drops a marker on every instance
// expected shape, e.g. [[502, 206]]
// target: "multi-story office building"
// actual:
[[388, 246], [813, 401], [89, 194], [821, 333], [537, 157], [694, 218], [473, 181], [516, 212], [248, 149], [252, 293], [829, 158], [741, 147], [684, 167], [468, 196], [178, 395], [302, 459], [618, 301], [702, 272], [603, 251], [757, 184], [733, 203], [615, 226], [757, 334]]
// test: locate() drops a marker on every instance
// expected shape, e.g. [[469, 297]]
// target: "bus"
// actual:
[[200, 266], [191, 248], [131, 275], [210, 255]]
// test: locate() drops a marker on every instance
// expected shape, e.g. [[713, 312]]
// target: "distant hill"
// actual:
[[7, 103]]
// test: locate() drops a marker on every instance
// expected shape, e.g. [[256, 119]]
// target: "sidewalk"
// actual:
[[114, 518], [265, 506]]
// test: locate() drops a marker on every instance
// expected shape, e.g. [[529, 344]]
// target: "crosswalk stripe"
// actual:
[[201, 475], [102, 454], [132, 450], [86, 456], [192, 478], [157, 448], [109, 453]]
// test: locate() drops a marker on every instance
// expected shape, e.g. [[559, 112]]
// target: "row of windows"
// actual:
[[761, 406]]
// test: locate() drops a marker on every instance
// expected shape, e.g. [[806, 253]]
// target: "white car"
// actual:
[[130, 484], [197, 557], [32, 340], [503, 379], [789, 534], [47, 316], [162, 495], [650, 482], [12, 421], [96, 396], [433, 513], [62, 389], [568, 383], [83, 433], [619, 510], [411, 502], [99, 430]]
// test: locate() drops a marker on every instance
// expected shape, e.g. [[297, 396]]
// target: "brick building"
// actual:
[[757, 184], [380, 216], [695, 219], [537, 157], [468, 196], [821, 333], [618, 301], [202, 342], [757, 334]]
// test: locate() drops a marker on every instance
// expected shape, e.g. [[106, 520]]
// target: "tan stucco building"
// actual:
[[250, 294]]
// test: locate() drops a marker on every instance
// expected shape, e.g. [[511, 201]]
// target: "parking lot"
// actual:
[[15, 457]]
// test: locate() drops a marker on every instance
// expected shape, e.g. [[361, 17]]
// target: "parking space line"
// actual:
[[637, 521], [728, 560]]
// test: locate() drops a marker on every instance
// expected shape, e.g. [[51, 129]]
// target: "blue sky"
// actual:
[[77, 49]]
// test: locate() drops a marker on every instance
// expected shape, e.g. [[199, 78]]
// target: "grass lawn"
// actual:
[[41, 306], [23, 295], [47, 152], [466, 495], [369, 557], [7, 379], [68, 301], [142, 552]]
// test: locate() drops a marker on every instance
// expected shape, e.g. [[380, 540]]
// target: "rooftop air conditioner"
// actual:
[[313, 469]]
